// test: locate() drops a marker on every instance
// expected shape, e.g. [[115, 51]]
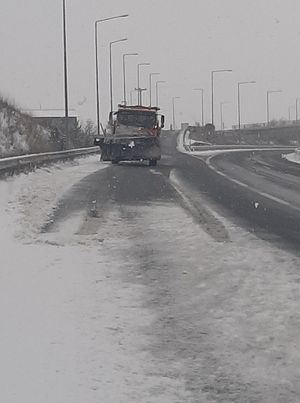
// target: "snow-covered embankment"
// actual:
[[294, 157], [19, 134]]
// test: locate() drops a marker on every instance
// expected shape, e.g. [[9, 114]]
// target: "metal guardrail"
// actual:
[[239, 147], [191, 145], [31, 161]]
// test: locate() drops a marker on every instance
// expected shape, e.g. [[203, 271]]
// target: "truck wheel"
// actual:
[[152, 163], [114, 162]]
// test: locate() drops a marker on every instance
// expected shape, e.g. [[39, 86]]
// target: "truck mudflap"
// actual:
[[131, 149]]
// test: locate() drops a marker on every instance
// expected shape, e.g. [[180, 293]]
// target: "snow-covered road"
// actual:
[[70, 324], [121, 284]]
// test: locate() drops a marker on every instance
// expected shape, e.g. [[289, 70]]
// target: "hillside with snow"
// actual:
[[19, 134]]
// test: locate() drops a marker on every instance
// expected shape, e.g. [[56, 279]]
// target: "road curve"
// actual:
[[266, 172], [258, 186]]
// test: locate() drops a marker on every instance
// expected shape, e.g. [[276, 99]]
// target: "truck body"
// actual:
[[133, 134]]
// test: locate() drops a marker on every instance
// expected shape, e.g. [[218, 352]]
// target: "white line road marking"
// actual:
[[263, 194]]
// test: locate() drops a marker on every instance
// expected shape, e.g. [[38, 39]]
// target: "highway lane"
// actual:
[[259, 189], [267, 172], [271, 185], [224, 303]]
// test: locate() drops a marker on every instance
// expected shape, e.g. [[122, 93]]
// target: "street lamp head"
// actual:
[[273, 91], [222, 71], [144, 64], [246, 82], [154, 74], [118, 40], [130, 54], [112, 18]]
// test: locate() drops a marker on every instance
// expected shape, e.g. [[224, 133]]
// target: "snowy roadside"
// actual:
[[46, 312], [32, 197], [70, 325], [181, 142], [293, 157]]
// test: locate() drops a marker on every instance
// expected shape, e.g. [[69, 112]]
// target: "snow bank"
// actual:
[[293, 157], [181, 141]]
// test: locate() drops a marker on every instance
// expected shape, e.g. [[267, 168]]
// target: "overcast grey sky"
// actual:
[[183, 40]]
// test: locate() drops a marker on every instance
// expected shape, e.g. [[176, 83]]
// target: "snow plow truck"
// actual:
[[132, 134]]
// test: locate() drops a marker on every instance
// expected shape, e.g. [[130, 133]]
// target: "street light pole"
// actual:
[[156, 91], [97, 66], [297, 100], [290, 113], [111, 72], [221, 114], [212, 90], [268, 103], [239, 99], [150, 86], [66, 135], [138, 82], [202, 104], [124, 74], [173, 105], [131, 99]]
